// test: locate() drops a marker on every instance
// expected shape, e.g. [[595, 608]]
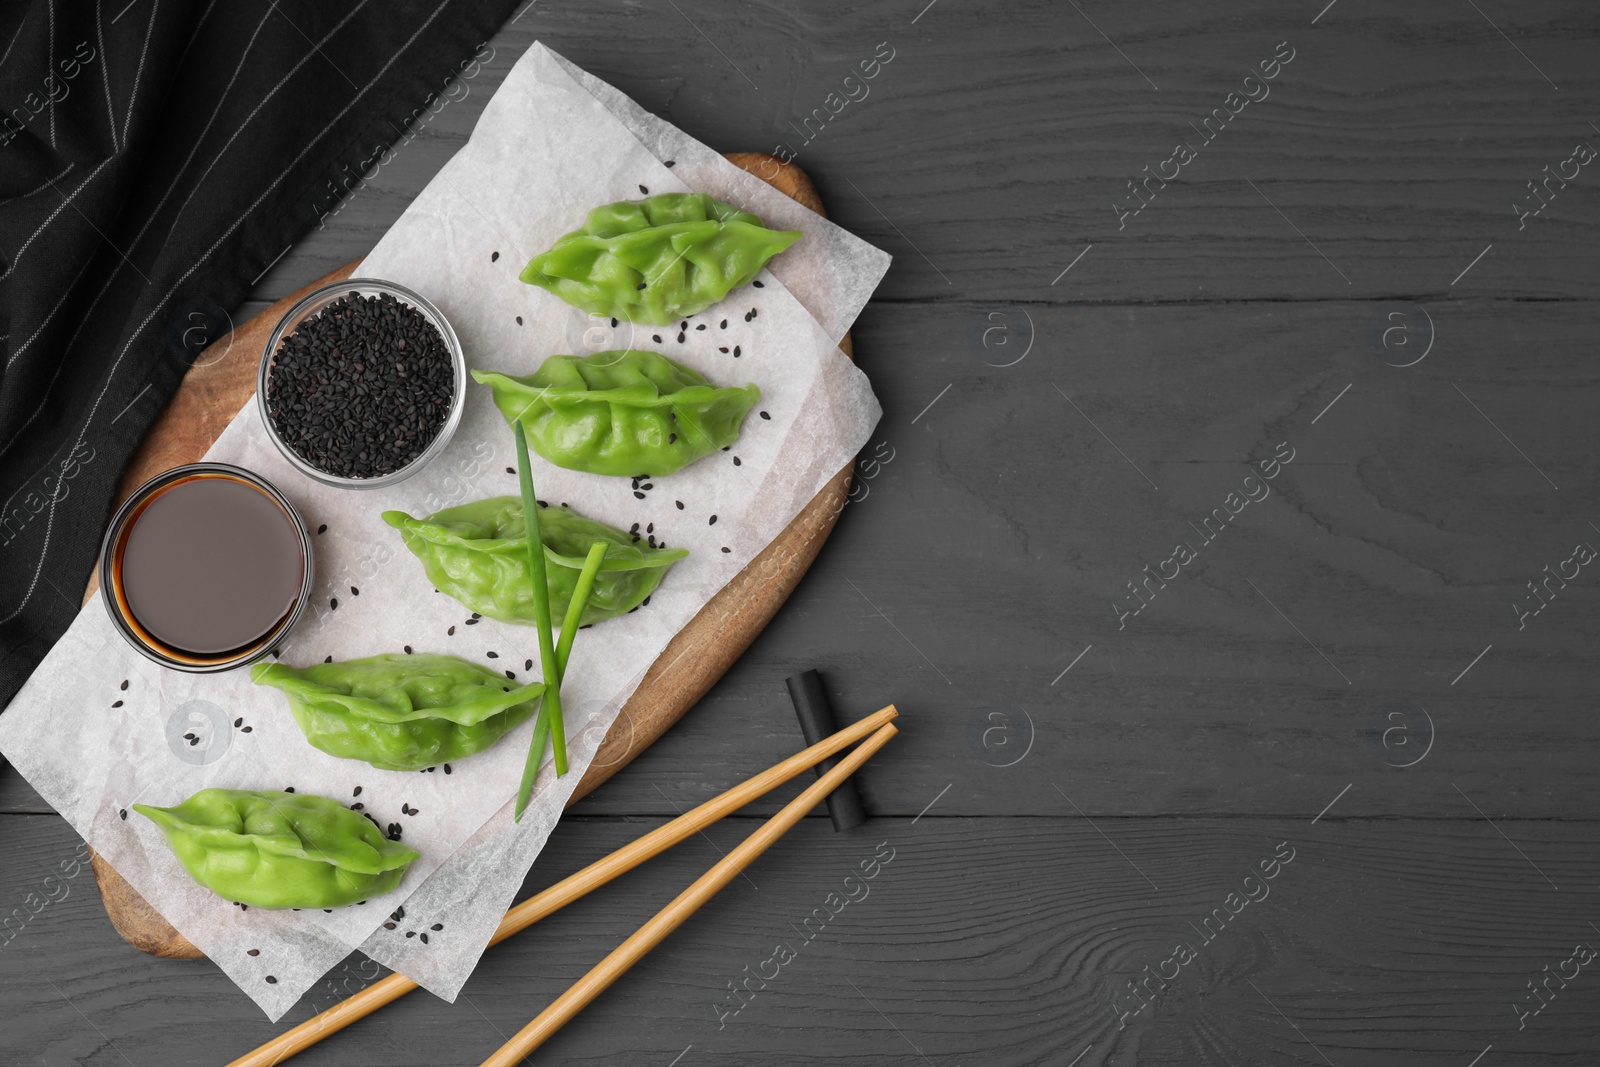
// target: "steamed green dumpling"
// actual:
[[621, 413], [477, 553], [272, 849], [658, 259], [401, 712]]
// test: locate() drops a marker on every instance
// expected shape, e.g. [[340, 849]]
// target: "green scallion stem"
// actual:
[[541, 589], [546, 725]]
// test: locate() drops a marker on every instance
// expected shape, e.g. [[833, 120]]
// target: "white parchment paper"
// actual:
[[98, 727]]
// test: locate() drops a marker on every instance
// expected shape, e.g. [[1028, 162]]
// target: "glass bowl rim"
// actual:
[[314, 301]]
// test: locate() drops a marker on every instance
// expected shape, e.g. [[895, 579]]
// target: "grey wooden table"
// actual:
[[1223, 525]]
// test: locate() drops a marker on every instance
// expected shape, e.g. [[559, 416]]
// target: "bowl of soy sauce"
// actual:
[[206, 567]]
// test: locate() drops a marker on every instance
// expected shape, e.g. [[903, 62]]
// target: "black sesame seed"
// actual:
[[450, 632], [640, 285], [123, 814], [764, 415], [681, 336], [334, 603], [656, 337], [239, 721], [724, 348], [701, 326], [357, 806], [447, 769], [424, 938], [725, 548], [724, 325], [672, 438], [357, 792], [759, 285], [322, 529], [492, 655], [679, 503], [737, 462], [124, 685], [613, 324], [437, 926], [253, 952], [643, 190], [638, 494], [247, 729], [399, 913], [411, 933], [527, 665], [736, 351], [511, 470], [354, 591], [670, 163], [519, 320], [362, 387], [408, 649], [328, 659], [493, 256], [271, 980], [116, 703], [475, 615], [471, 622], [388, 926]]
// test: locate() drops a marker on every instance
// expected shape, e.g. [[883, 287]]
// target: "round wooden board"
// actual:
[[217, 386]]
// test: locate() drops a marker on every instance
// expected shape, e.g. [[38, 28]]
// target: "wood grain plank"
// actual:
[[1001, 941], [989, 151]]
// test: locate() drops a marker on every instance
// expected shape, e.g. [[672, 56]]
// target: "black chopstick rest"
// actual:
[[811, 707]]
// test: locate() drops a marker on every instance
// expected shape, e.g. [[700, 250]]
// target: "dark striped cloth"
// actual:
[[156, 156]]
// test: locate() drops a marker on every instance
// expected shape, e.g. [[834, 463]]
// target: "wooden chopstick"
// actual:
[[677, 913], [571, 888]]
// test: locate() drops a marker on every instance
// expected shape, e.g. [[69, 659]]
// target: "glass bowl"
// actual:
[[116, 601], [314, 302]]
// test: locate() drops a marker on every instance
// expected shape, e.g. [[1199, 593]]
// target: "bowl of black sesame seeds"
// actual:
[[361, 384]]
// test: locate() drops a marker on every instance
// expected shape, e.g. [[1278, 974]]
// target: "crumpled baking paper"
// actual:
[[98, 727]]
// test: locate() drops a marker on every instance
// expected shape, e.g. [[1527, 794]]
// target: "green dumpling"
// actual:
[[401, 712], [621, 413], [476, 553], [280, 850], [658, 259]]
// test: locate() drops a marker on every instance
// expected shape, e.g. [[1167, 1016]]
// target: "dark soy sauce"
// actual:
[[211, 565]]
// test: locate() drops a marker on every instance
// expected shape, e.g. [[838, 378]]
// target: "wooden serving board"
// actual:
[[217, 387]]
